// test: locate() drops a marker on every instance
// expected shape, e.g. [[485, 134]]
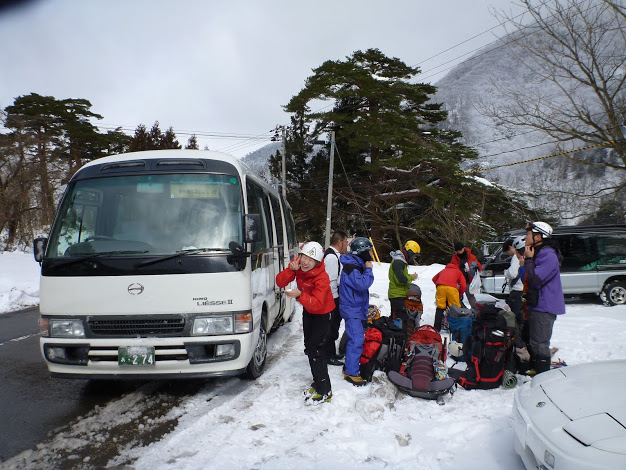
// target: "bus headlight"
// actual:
[[213, 325], [66, 328]]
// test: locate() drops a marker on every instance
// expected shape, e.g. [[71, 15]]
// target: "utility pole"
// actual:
[[329, 204], [284, 166]]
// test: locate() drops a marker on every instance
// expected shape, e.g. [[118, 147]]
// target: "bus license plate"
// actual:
[[135, 356]]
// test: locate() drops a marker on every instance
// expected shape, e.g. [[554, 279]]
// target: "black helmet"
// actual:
[[360, 245]]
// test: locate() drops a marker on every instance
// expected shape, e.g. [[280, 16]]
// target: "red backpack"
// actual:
[[424, 336], [373, 340]]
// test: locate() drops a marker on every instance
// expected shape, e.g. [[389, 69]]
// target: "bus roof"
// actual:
[[182, 155]]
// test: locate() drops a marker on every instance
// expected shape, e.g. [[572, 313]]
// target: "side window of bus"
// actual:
[[278, 218], [256, 205], [291, 228], [268, 222]]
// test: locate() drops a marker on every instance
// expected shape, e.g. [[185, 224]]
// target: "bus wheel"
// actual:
[[614, 293], [257, 363]]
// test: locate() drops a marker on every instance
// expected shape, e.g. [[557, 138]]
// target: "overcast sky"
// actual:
[[218, 67]]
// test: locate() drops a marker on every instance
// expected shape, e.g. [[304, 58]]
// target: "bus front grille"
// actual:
[[137, 327]]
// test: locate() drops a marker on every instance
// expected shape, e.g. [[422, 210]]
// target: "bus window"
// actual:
[[291, 228], [278, 218], [268, 221], [256, 206]]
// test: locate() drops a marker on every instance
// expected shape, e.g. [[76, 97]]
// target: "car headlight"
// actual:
[[214, 325], [222, 324], [66, 328]]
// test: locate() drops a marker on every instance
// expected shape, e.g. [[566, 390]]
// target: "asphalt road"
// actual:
[[32, 404], [45, 416]]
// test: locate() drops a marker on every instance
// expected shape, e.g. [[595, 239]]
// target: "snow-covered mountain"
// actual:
[[259, 160], [475, 85]]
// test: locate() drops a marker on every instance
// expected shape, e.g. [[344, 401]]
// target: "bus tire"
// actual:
[[257, 362], [614, 293]]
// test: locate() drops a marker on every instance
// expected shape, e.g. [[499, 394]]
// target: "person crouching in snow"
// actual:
[[451, 285], [314, 293], [356, 279]]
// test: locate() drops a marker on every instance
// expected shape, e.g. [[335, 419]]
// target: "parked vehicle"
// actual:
[[162, 264], [567, 419], [594, 262]]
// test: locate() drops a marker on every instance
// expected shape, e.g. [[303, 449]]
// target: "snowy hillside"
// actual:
[[259, 160], [476, 84]]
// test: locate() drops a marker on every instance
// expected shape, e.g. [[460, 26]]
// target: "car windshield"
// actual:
[[148, 215]]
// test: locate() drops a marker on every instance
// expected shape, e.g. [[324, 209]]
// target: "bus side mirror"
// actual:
[[39, 248], [252, 227]]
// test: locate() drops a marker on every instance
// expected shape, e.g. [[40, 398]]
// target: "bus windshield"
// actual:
[[148, 214]]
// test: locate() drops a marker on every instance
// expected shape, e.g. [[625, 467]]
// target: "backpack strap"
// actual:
[[348, 268], [330, 251]]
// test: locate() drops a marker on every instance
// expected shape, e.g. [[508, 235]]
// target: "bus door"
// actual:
[[271, 258], [263, 270]]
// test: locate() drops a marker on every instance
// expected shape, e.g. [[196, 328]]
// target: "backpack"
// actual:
[[460, 322], [418, 378], [383, 348], [488, 350], [330, 251]]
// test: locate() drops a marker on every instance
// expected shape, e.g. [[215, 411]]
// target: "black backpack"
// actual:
[[389, 355], [490, 348]]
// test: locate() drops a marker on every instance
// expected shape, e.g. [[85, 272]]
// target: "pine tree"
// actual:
[[37, 121], [155, 137], [140, 140], [192, 143], [48, 140], [398, 163], [168, 141]]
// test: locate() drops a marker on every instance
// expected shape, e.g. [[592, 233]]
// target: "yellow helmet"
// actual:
[[412, 246]]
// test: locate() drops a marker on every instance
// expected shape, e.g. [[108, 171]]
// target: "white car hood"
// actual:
[[592, 396]]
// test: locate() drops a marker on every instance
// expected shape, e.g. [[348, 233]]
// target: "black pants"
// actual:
[[514, 300], [333, 331], [316, 333]]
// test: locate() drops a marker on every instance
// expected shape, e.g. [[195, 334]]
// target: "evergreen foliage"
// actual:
[[192, 143], [46, 141], [155, 139], [396, 169]]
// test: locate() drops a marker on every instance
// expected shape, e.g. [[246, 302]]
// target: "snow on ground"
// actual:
[[19, 281], [267, 425]]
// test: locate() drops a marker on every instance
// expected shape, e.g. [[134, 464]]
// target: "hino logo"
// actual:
[[135, 289]]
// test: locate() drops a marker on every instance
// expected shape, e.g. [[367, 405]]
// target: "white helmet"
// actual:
[[540, 227], [312, 250], [519, 242], [455, 349]]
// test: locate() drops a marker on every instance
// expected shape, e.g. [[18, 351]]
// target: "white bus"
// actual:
[[162, 264]]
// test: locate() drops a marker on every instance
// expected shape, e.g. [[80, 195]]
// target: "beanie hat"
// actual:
[[458, 246]]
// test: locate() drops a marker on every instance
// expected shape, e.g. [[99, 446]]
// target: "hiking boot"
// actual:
[[335, 361], [355, 380], [319, 399], [310, 393]]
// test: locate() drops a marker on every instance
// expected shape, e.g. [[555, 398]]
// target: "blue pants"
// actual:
[[354, 346]]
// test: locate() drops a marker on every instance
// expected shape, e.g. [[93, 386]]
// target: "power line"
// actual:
[[602, 144]]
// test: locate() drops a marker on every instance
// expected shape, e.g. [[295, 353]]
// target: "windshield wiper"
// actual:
[[187, 252], [87, 257]]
